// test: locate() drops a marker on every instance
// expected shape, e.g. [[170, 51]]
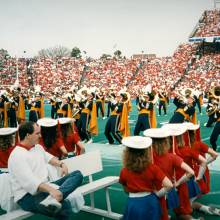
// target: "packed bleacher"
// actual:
[[209, 24]]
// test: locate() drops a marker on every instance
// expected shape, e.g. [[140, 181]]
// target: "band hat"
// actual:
[[47, 122], [175, 129], [7, 131], [65, 120], [137, 142], [190, 126], [156, 133]]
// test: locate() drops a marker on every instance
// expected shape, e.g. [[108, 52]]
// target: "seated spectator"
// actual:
[[29, 177]]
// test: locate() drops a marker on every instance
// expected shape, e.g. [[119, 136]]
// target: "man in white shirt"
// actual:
[[29, 176]]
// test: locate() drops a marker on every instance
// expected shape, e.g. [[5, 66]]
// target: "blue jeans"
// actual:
[[67, 185]]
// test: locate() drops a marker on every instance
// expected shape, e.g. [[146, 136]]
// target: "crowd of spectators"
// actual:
[[209, 24], [64, 73]]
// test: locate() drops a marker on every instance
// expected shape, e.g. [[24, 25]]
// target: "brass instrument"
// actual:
[[75, 111], [215, 105], [215, 93], [187, 92], [184, 94], [125, 95]]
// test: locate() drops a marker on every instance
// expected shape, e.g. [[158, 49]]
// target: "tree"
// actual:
[[117, 53], [4, 54], [105, 56], [53, 52], [76, 52]]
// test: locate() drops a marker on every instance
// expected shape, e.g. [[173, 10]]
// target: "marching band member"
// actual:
[[87, 107], [76, 110], [211, 111], [198, 96], [162, 101], [144, 108], [53, 113], [100, 101], [112, 125], [21, 106], [109, 98], [34, 106], [216, 130], [64, 109], [185, 108], [126, 108], [139, 177], [13, 107]]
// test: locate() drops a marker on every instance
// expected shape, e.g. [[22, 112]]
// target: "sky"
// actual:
[[98, 26]]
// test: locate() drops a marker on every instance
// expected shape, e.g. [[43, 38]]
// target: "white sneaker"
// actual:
[[51, 203]]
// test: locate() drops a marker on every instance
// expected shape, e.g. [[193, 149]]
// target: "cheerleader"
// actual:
[[192, 158], [139, 177], [203, 178], [184, 210], [70, 137], [7, 143], [169, 163], [51, 139]]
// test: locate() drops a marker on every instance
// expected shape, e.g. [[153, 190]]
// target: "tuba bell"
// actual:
[[215, 93], [214, 106]]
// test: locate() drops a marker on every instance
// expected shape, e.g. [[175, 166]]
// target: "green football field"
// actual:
[[111, 158]]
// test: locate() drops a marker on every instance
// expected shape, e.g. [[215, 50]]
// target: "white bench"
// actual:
[[89, 164]]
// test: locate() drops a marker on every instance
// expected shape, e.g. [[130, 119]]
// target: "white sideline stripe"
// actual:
[[213, 193], [164, 122]]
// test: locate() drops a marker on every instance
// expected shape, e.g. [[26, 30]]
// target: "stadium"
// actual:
[[107, 100]]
